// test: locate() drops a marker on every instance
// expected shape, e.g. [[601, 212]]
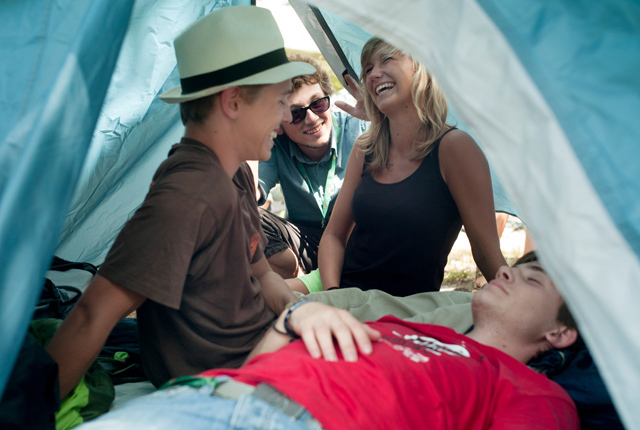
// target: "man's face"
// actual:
[[260, 121], [522, 298], [315, 130]]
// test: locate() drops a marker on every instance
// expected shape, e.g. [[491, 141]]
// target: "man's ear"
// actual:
[[562, 337], [230, 102]]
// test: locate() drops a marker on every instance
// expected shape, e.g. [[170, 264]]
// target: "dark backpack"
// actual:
[[32, 394], [56, 301]]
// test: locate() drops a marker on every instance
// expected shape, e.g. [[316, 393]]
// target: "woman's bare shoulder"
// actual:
[[456, 143]]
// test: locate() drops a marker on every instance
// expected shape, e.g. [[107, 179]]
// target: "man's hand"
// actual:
[[358, 110], [319, 324]]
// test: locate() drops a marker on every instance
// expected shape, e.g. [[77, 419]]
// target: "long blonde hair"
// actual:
[[427, 99]]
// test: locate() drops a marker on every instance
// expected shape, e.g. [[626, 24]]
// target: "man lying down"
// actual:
[[385, 374]]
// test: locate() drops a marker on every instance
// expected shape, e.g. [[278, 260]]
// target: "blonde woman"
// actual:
[[412, 181]]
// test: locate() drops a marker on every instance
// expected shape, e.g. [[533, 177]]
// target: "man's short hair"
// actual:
[[199, 109], [564, 314], [321, 76], [196, 110]]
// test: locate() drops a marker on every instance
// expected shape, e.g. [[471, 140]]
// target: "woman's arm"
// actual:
[[466, 171], [335, 236]]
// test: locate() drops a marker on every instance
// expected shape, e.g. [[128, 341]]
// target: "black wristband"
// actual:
[[287, 327], [284, 333]]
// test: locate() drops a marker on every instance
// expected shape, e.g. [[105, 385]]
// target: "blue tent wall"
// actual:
[[135, 129], [592, 82], [57, 63], [56, 67], [61, 150]]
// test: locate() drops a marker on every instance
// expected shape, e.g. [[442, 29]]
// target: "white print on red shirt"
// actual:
[[415, 347]]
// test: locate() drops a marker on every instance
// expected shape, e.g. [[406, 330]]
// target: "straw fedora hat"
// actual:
[[236, 45]]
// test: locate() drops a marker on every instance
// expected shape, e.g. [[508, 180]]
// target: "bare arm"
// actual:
[[275, 291], [83, 333], [334, 239], [466, 172], [318, 325], [297, 285]]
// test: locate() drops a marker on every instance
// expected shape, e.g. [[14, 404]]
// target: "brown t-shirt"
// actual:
[[189, 250]]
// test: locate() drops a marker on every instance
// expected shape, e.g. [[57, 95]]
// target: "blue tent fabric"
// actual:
[[592, 99], [550, 90], [57, 64], [82, 133], [135, 129]]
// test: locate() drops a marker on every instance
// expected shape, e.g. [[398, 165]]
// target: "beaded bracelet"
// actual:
[[287, 328]]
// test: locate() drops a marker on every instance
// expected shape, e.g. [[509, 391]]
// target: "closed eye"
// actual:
[[537, 281]]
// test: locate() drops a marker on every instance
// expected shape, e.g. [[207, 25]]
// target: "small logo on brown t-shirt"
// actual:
[[254, 244]]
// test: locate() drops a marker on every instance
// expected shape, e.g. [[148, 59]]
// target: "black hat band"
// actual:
[[234, 73]]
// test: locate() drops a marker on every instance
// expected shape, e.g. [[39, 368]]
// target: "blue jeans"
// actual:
[[184, 407]]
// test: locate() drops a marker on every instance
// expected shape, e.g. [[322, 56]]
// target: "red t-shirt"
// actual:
[[418, 376]]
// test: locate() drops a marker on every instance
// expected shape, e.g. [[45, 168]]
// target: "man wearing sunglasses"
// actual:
[[309, 160]]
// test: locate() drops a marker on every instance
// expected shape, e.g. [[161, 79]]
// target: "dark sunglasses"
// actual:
[[317, 106]]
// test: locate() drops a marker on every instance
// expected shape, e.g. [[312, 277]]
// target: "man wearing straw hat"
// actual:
[[190, 260]]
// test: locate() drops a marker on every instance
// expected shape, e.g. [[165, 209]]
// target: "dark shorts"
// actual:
[[303, 239]]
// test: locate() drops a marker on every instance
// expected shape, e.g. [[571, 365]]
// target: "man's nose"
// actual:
[[506, 273], [311, 117]]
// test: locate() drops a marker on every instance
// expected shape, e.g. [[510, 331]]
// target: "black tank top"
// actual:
[[403, 231]]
